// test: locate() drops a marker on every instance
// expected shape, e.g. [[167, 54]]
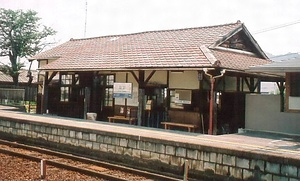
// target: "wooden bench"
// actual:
[[183, 119], [190, 127], [122, 118]]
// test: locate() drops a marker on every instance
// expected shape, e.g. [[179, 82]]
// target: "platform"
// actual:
[[242, 149], [254, 141]]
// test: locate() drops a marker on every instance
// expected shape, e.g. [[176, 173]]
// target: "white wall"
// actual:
[[263, 114], [159, 77], [178, 80], [184, 80], [294, 103]]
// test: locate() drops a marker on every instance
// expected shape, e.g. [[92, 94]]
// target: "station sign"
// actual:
[[122, 90]]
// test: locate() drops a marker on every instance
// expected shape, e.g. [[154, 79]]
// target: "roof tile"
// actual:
[[22, 77], [153, 49]]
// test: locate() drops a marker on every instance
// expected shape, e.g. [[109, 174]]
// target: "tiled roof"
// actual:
[[237, 61], [153, 50], [22, 77]]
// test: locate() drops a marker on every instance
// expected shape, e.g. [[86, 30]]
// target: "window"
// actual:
[[67, 81], [295, 85], [108, 97], [293, 91], [110, 79], [107, 82], [64, 94]]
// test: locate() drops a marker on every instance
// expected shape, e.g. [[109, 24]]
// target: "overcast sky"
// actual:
[[111, 17]]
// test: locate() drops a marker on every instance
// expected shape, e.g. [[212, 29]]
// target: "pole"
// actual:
[[43, 169], [212, 99], [126, 108], [45, 94], [211, 106], [186, 170]]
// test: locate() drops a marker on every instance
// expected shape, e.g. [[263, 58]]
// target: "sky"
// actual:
[[93, 18]]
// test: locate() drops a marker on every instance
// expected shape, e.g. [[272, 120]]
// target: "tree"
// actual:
[[21, 35]]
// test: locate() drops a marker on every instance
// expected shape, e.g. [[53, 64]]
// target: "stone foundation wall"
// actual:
[[161, 155]]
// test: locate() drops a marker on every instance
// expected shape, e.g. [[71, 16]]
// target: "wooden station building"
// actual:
[[192, 76]]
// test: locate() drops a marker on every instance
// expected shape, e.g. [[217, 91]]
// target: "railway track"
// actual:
[[82, 165]]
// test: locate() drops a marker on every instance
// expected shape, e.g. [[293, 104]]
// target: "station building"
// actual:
[[193, 76]]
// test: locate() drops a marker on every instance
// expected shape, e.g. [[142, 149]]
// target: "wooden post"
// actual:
[[281, 88], [45, 94], [141, 96], [252, 86], [211, 106], [126, 108], [87, 94], [201, 98], [202, 121], [238, 84], [43, 169], [186, 170], [141, 106]]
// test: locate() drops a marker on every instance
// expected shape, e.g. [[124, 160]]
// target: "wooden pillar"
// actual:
[[168, 92], [211, 106], [45, 93], [87, 95], [213, 121], [201, 98], [125, 106], [258, 86], [251, 84], [141, 81], [238, 83], [251, 87], [281, 88]]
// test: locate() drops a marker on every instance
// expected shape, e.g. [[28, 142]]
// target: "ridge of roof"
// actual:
[[157, 31]]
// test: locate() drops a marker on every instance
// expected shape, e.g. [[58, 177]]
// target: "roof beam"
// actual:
[[135, 76], [48, 80], [150, 76]]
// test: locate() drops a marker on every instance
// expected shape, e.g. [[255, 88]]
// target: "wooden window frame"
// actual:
[[67, 81]]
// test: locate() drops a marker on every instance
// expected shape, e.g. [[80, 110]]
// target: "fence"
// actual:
[[12, 96]]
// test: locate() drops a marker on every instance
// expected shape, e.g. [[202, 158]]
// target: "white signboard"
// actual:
[[122, 90]]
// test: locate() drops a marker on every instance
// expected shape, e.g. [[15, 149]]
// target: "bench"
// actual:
[[190, 127], [129, 120], [183, 119]]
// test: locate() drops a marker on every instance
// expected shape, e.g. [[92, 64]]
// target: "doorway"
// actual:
[[155, 104], [231, 112], [102, 96]]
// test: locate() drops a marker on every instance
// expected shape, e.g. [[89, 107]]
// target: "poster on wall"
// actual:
[[134, 100], [183, 96], [122, 90], [119, 101]]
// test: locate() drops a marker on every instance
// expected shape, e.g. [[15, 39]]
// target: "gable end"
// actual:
[[240, 40]]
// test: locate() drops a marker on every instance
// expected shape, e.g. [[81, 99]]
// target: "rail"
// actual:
[[79, 164]]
